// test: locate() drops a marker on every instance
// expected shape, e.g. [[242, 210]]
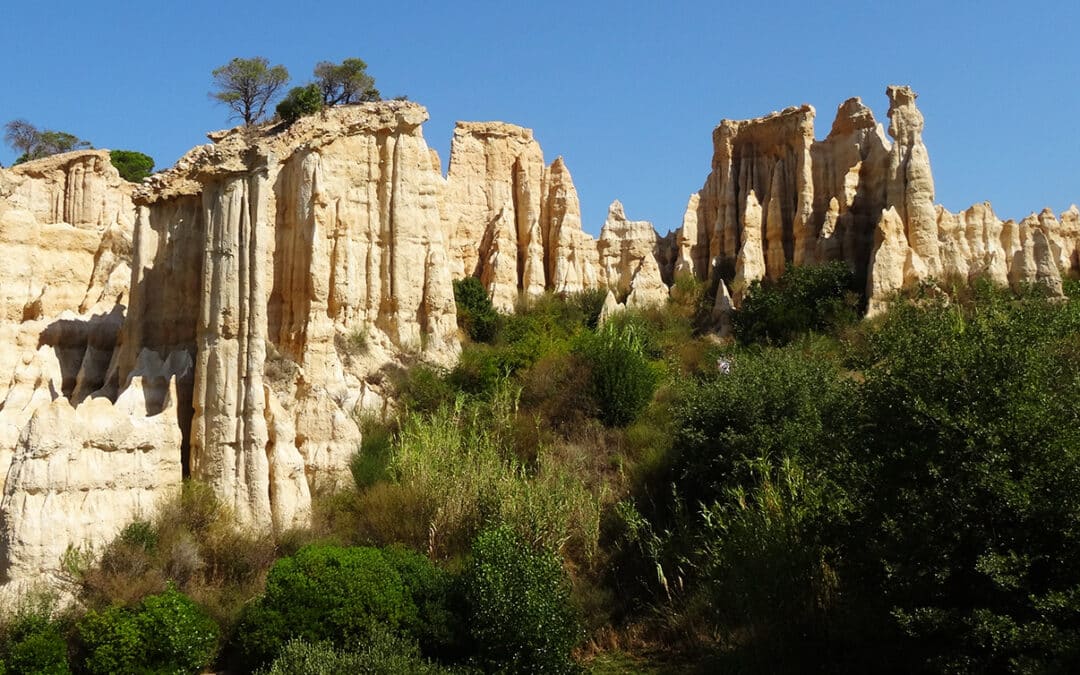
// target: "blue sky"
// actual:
[[628, 92]]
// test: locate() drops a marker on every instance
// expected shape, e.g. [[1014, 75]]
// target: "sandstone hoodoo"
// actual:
[[776, 196], [229, 318]]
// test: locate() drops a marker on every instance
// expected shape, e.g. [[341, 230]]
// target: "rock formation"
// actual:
[[516, 224], [776, 196], [228, 319], [316, 260], [68, 455]]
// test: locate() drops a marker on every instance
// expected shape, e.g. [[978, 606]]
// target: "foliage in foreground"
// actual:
[[343, 595], [911, 506], [519, 617], [804, 298], [165, 633]]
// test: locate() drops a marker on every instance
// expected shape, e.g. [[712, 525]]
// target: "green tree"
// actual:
[[623, 379], [345, 82], [300, 101], [133, 166], [248, 85], [972, 460], [475, 313], [36, 143]]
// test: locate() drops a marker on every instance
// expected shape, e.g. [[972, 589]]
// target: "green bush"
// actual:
[[622, 378], [324, 592], [803, 299], [34, 644], [969, 499], [300, 101], [370, 465], [133, 166], [434, 625], [779, 403], [518, 603], [424, 388], [167, 632], [383, 653], [475, 313]]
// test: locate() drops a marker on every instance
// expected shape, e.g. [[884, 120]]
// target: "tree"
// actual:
[[21, 136], [133, 166], [248, 85], [36, 143], [347, 82], [299, 102]]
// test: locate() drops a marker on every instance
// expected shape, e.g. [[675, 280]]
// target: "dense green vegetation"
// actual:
[[133, 166], [892, 495]]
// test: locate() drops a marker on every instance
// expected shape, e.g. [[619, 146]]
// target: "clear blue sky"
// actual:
[[628, 92]]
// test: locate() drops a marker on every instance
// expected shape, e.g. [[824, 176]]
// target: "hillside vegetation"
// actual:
[[817, 494]]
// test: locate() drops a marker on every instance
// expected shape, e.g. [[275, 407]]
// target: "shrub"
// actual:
[[300, 101], [775, 404], [167, 632], [383, 653], [371, 463], [518, 603], [810, 298], [424, 389], [622, 378], [323, 592], [133, 166], [434, 625], [475, 313], [969, 500], [34, 644]]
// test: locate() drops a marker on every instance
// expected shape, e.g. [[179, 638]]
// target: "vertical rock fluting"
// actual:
[[320, 261], [78, 462], [517, 225], [628, 259], [817, 201]]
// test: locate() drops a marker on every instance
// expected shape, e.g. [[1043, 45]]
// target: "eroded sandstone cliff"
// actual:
[[230, 318], [776, 196]]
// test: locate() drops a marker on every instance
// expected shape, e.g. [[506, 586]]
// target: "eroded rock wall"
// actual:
[[320, 266], [66, 449], [776, 196]]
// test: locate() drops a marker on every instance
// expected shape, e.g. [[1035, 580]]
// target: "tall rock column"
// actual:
[[229, 433], [910, 186]]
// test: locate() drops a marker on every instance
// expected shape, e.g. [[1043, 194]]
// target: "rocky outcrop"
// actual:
[[65, 236], [516, 224], [776, 196], [318, 261], [80, 473], [229, 318], [628, 252]]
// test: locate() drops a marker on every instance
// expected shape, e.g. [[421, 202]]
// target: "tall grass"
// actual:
[[462, 455]]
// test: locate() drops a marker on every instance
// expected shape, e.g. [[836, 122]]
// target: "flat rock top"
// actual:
[[232, 149]]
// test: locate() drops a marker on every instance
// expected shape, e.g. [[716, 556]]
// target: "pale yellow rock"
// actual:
[[627, 251], [723, 307], [80, 474], [610, 307], [888, 263], [750, 263], [319, 259], [687, 239], [571, 255]]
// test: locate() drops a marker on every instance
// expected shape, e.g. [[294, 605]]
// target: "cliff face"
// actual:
[[776, 196], [317, 260], [516, 224], [229, 318], [74, 464]]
